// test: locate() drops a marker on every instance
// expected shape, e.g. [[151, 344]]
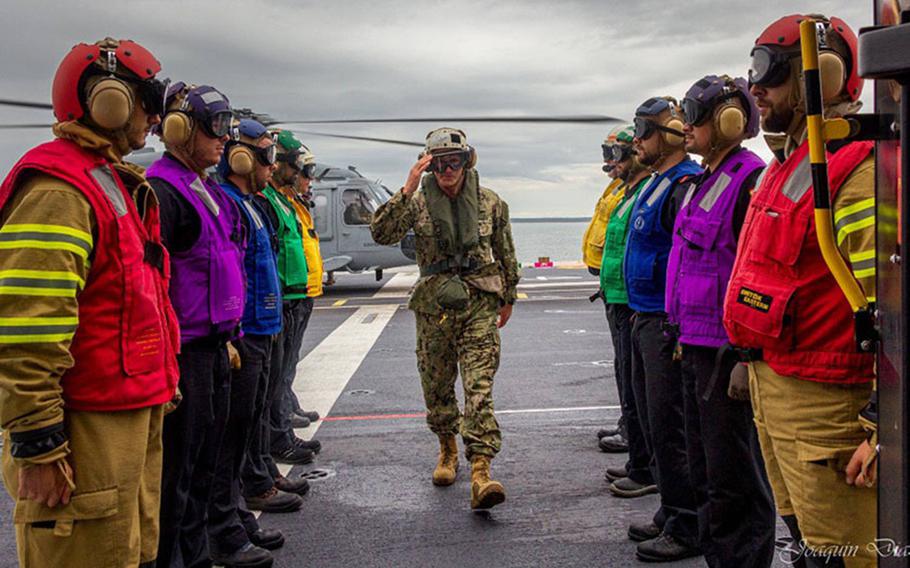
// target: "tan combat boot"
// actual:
[[447, 468], [485, 493]]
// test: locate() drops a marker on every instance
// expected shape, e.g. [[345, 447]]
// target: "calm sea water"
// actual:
[[561, 241]]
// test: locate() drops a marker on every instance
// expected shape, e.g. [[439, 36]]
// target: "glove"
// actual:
[[739, 383], [233, 356]]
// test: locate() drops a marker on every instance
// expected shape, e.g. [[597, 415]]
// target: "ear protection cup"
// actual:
[[675, 122], [241, 160], [110, 103], [471, 157], [177, 128], [729, 121], [833, 73]]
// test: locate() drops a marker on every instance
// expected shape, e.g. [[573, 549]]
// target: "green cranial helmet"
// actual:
[[295, 153], [625, 133]]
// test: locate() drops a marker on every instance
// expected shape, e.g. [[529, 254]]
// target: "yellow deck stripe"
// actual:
[[339, 303]]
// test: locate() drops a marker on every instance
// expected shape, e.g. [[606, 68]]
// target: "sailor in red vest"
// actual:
[[735, 510], [89, 337], [785, 311]]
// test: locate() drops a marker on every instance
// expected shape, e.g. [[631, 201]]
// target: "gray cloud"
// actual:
[[300, 60]]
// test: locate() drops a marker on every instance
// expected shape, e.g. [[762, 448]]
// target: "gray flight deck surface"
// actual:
[[371, 501]]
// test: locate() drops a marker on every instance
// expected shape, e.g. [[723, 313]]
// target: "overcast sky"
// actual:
[[337, 59]]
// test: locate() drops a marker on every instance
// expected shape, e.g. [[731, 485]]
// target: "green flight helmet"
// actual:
[[295, 153], [625, 133]]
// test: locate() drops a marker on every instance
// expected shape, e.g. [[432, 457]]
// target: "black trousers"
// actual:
[[229, 524], [659, 399], [191, 437], [296, 317], [259, 471], [735, 509], [619, 317]]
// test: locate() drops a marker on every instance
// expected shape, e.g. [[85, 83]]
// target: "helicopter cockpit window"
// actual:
[[358, 207], [321, 203]]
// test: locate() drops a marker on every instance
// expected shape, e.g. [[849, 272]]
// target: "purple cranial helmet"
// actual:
[[205, 105], [707, 93]]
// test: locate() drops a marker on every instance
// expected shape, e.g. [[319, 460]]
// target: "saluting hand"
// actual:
[[410, 186]]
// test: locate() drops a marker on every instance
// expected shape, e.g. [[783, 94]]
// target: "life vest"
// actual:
[[310, 244], [704, 249], [592, 244], [782, 298], [292, 267], [648, 243], [124, 350], [262, 312], [612, 282], [208, 286]]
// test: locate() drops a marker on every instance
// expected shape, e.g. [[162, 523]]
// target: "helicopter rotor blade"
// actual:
[[23, 126], [26, 104], [563, 119], [361, 138]]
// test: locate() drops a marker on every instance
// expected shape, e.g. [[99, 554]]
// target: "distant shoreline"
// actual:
[[550, 219]]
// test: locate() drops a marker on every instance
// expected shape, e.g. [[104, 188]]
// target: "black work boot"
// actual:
[[664, 548], [311, 445], [629, 488], [640, 532], [613, 444], [248, 556], [614, 473], [299, 486], [310, 415], [297, 421], [293, 455], [269, 539], [275, 501], [615, 430]]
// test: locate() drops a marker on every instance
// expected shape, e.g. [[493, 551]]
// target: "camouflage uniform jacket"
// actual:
[[494, 253]]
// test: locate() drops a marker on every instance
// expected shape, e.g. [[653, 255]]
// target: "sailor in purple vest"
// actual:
[[735, 510], [200, 226]]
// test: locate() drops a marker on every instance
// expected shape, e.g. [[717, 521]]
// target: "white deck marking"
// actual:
[[588, 284], [566, 409], [398, 286], [324, 373]]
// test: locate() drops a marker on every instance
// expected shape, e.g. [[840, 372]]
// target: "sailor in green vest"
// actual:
[[633, 479], [467, 287]]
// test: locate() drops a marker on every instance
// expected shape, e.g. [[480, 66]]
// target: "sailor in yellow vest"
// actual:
[[592, 244], [299, 166]]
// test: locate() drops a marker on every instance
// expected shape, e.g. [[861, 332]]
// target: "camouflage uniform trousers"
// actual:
[[468, 339]]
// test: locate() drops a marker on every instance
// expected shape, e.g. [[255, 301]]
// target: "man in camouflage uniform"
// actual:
[[466, 291]]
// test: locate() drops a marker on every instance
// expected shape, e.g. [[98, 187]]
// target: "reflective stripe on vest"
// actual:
[[782, 298]]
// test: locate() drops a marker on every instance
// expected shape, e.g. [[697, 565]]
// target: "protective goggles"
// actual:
[[266, 156], [645, 127], [297, 161], [218, 124], [695, 112], [151, 94], [616, 152], [770, 67], [449, 161]]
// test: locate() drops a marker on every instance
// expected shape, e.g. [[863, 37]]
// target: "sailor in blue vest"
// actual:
[[673, 533], [247, 164]]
